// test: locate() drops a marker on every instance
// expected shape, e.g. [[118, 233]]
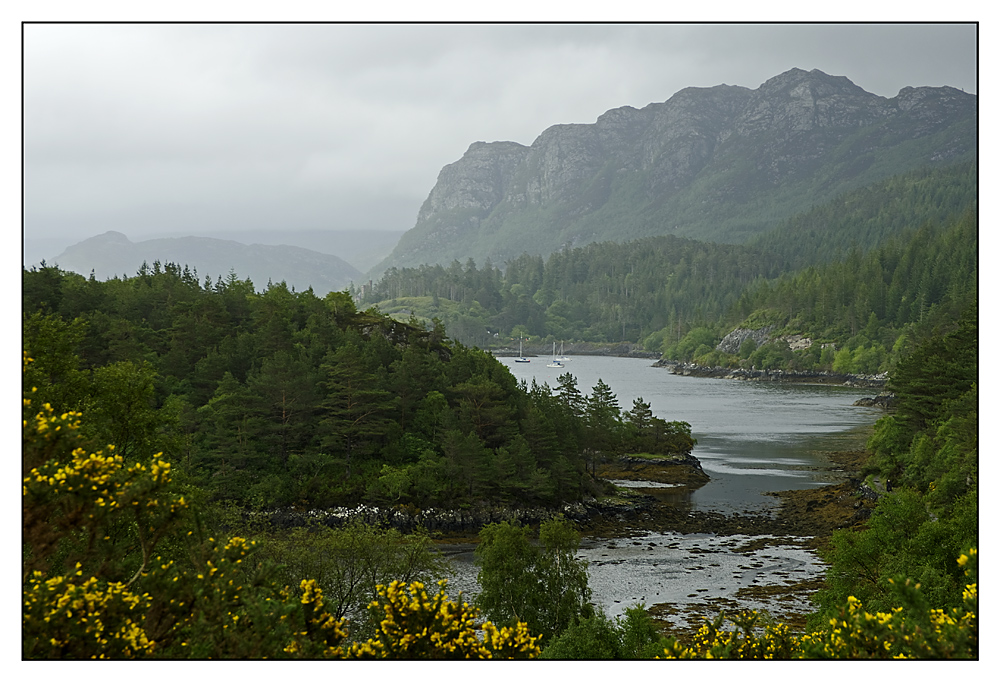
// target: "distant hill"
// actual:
[[112, 254], [360, 248], [718, 164]]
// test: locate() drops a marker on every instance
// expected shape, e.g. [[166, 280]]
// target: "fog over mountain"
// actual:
[[170, 129], [112, 254], [722, 163]]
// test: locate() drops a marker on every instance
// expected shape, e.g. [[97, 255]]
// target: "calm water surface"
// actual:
[[753, 438]]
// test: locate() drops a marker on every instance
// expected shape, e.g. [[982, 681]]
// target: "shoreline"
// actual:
[[806, 518], [616, 350], [778, 375], [629, 350]]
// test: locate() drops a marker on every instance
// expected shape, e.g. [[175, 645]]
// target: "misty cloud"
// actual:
[[152, 128]]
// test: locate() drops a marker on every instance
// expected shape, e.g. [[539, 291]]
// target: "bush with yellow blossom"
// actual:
[[417, 625], [912, 631], [87, 514]]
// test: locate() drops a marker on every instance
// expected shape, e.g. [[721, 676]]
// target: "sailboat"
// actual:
[[554, 363], [562, 353], [520, 352]]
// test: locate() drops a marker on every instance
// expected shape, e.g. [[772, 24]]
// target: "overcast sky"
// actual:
[[157, 129]]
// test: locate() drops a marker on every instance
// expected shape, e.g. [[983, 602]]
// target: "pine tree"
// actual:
[[569, 395], [355, 408]]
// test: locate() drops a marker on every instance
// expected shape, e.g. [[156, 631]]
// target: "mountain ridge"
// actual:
[[721, 163], [112, 254]]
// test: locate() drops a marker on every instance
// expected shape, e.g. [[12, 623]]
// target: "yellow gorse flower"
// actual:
[[417, 625]]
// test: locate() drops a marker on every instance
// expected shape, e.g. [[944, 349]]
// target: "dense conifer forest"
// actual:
[[159, 408], [858, 276], [281, 398]]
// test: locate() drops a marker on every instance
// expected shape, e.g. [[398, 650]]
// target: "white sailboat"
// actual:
[[520, 352], [554, 363], [562, 353]]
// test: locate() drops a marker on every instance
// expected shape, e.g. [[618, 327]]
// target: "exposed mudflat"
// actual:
[[683, 578], [686, 566], [812, 513]]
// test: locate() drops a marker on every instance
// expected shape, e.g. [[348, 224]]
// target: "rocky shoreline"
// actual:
[[813, 513], [788, 376], [682, 469], [805, 517], [886, 401]]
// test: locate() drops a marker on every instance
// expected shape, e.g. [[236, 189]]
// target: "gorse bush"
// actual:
[[417, 625], [115, 565], [913, 631]]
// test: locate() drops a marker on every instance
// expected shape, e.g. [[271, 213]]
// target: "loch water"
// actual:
[[753, 438]]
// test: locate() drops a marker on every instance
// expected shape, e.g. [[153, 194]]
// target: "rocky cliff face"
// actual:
[[720, 163]]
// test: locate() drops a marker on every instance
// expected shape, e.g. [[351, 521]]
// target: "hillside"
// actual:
[[112, 254], [903, 249], [720, 164]]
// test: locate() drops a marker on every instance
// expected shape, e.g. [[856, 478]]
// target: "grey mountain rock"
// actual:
[[721, 164], [733, 340]]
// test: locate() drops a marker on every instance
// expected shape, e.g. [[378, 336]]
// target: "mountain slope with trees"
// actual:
[[720, 164], [860, 314], [854, 275]]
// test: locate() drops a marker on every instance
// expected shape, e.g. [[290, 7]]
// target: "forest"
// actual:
[[126, 556], [280, 398], [159, 409], [858, 276]]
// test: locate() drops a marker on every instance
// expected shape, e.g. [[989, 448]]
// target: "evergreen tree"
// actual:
[[355, 408], [603, 417], [569, 395]]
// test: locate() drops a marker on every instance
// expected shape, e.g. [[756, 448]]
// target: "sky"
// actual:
[[170, 129]]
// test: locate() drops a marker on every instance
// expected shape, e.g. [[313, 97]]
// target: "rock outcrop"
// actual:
[[788, 376], [733, 340], [678, 469], [701, 164], [884, 400]]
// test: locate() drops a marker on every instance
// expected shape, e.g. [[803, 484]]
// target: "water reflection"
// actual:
[[753, 437]]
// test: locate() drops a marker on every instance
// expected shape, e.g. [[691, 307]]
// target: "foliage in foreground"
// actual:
[[351, 562], [108, 571], [926, 455], [633, 635], [416, 625], [911, 632], [544, 585], [114, 567]]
